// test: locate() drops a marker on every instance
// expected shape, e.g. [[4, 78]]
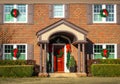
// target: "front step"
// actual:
[[67, 74]]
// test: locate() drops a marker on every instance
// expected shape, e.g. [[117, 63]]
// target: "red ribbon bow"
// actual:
[[15, 51], [105, 52]]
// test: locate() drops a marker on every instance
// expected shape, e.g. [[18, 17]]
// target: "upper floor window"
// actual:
[[22, 17], [58, 11], [111, 18]]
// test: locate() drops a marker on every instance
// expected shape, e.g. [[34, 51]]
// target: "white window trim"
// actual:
[[14, 46], [103, 19], [63, 12], [104, 46], [15, 19]]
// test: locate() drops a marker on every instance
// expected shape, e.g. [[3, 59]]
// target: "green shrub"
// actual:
[[105, 70], [109, 61], [17, 62], [16, 71]]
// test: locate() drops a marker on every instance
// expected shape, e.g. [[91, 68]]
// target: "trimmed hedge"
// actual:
[[17, 62], [16, 71], [109, 61], [105, 70]]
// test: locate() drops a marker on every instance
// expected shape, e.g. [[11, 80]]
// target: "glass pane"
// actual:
[[111, 56], [21, 48], [8, 48], [7, 13], [110, 18], [97, 8], [8, 57], [22, 57], [97, 48], [22, 16], [111, 10], [58, 10], [110, 48], [98, 56], [8, 17], [97, 17]]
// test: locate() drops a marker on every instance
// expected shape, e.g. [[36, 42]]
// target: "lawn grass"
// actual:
[[81, 80]]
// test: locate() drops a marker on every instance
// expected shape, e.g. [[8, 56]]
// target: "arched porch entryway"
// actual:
[[57, 55], [56, 37]]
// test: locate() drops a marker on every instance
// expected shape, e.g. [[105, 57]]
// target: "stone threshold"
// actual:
[[60, 75]]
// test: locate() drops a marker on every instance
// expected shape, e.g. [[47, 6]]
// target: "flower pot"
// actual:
[[72, 69]]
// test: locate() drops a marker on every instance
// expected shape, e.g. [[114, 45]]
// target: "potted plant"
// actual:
[[72, 64]]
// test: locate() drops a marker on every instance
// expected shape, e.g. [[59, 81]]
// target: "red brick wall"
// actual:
[[97, 33]]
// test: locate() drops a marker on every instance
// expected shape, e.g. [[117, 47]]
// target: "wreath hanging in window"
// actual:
[[15, 13], [104, 13], [15, 53], [105, 53]]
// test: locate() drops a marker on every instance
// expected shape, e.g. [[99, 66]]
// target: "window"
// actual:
[[7, 49], [97, 49], [22, 18], [58, 11], [111, 18]]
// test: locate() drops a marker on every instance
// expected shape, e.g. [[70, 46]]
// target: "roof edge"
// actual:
[[58, 1]]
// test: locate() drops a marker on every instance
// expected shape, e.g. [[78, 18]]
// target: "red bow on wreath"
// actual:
[[15, 51]]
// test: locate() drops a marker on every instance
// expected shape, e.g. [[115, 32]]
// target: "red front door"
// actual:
[[59, 58]]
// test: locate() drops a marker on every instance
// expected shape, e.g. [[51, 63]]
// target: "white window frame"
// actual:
[[14, 46], [104, 19], [104, 46], [15, 19], [63, 11]]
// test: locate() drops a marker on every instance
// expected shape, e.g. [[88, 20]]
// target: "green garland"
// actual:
[[61, 54], [68, 58]]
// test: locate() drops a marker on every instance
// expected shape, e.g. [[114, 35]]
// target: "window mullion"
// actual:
[[15, 7], [104, 46], [103, 7]]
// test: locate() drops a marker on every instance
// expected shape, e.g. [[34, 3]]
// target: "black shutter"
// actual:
[[30, 14], [118, 14], [89, 14], [118, 50], [51, 11], [66, 11], [1, 13], [30, 51], [1, 51]]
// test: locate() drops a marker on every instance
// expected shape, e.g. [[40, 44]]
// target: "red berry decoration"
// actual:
[[15, 13], [104, 13]]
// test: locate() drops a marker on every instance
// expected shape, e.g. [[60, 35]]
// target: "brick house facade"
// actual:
[[78, 17]]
